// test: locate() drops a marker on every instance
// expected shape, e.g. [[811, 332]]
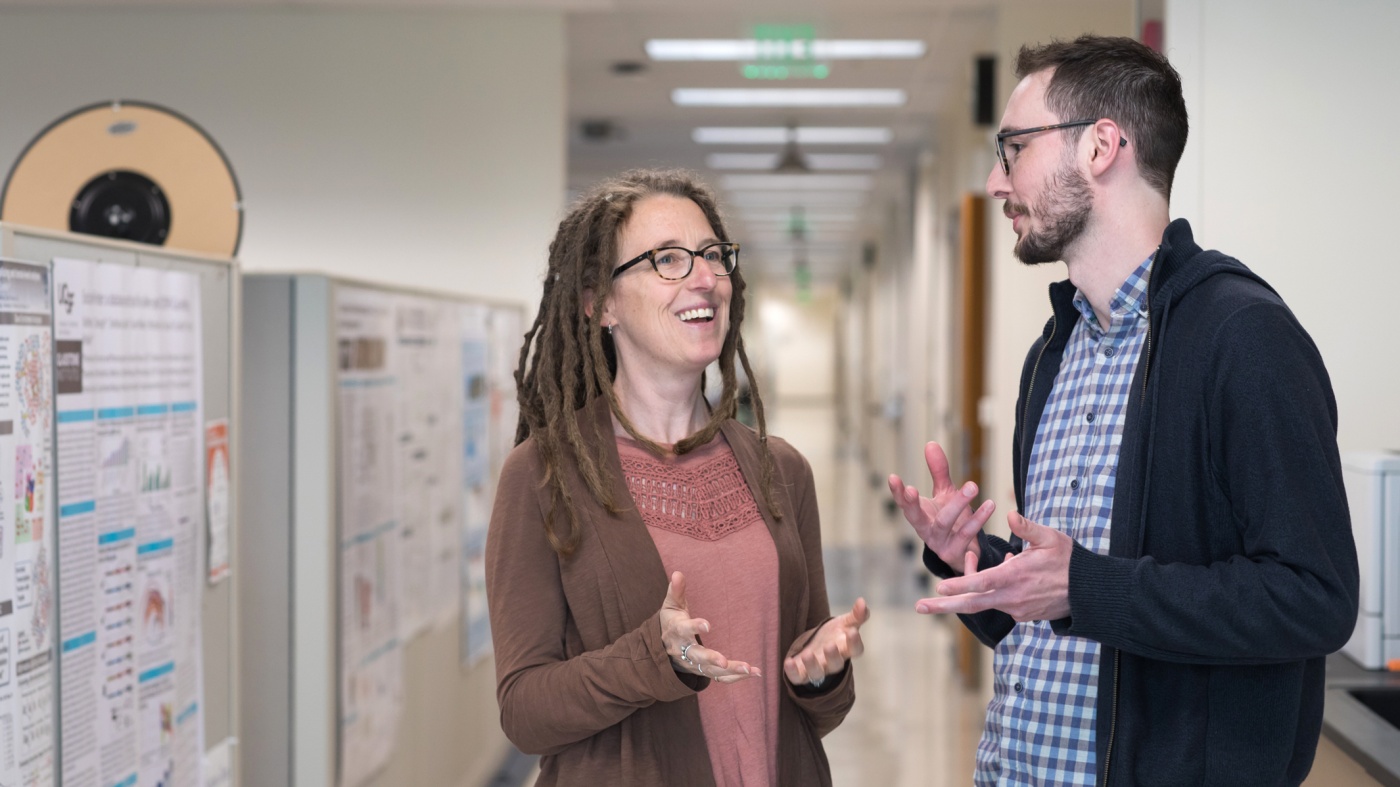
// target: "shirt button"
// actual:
[[1018, 687], [1108, 352], [1074, 484], [1089, 418]]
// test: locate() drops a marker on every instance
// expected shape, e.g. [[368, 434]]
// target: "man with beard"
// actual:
[[1182, 560]]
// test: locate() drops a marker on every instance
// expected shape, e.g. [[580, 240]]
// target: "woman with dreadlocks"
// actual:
[[653, 567]]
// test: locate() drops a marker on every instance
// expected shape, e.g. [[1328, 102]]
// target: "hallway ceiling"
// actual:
[[618, 120], [623, 120]]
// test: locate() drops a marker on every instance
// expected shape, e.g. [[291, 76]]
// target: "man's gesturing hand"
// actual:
[[1031, 585], [945, 522]]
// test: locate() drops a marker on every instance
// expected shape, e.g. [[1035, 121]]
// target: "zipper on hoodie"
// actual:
[[1113, 719], [1147, 352]]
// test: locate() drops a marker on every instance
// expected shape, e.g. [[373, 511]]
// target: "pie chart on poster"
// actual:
[[128, 170]]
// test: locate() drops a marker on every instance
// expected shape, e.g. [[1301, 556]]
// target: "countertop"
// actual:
[[1355, 728]]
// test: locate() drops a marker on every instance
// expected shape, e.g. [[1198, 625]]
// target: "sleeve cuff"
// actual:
[[834, 694], [1098, 596], [993, 551], [828, 684], [936, 566], [669, 684]]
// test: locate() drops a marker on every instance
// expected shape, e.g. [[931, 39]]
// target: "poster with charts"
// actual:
[[371, 652], [429, 428], [491, 340], [27, 671], [130, 482]]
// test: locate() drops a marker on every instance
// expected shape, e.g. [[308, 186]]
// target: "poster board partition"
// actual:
[[379, 416], [208, 287]]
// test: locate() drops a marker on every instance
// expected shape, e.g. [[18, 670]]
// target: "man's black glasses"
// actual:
[[1005, 135]]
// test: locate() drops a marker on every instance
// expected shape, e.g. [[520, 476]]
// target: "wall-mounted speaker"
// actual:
[[984, 90], [128, 170]]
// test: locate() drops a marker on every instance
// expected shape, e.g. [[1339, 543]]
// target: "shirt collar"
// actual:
[[1131, 297]]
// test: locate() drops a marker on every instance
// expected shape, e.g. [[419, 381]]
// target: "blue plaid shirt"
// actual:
[[1040, 722]]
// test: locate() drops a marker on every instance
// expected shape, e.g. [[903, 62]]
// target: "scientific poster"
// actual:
[[371, 652], [27, 674], [491, 341], [477, 485], [429, 426], [130, 483]]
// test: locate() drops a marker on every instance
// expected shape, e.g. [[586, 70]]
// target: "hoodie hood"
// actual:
[[1180, 266]]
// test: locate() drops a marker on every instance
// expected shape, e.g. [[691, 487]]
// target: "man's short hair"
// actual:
[[1124, 81]]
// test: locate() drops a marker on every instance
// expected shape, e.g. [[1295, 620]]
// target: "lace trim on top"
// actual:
[[706, 499]]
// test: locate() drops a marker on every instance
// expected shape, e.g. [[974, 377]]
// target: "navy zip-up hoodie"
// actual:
[[1231, 571]]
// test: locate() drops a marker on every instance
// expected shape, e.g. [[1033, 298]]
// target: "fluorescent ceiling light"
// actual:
[[765, 161], [789, 199], [764, 237], [777, 252], [777, 135], [850, 49], [813, 250], [826, 253], [788, 97], [797, 182], [742, 49], [784, 217], [769, 161], [844, 136], [825, 161], [785, 228]]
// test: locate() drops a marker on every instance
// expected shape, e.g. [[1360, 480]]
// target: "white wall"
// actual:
[[419, 146], [798, 338], [1289, 168], [1018, 298]]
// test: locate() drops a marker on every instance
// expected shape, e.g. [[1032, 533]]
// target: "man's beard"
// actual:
[[1065, 214]]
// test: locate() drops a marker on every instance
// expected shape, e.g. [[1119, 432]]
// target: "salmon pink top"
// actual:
[[706, 524]]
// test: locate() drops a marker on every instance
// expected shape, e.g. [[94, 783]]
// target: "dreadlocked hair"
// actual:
[[568, 360]]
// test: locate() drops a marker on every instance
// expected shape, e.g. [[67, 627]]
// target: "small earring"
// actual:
[[609, 329]]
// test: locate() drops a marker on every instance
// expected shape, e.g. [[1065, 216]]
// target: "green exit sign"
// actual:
[[785, 52]]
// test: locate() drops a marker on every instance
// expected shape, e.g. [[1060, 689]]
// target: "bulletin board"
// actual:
[[382, 416], [196, 299]]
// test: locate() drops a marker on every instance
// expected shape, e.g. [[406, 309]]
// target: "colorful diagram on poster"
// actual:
[[155, 609], [32, 380], [29, 497]]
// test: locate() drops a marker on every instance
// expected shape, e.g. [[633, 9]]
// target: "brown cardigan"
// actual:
[[582, 676]]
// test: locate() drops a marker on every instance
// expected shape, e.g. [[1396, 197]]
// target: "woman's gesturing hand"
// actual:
[[836, 642], [681, 634]]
